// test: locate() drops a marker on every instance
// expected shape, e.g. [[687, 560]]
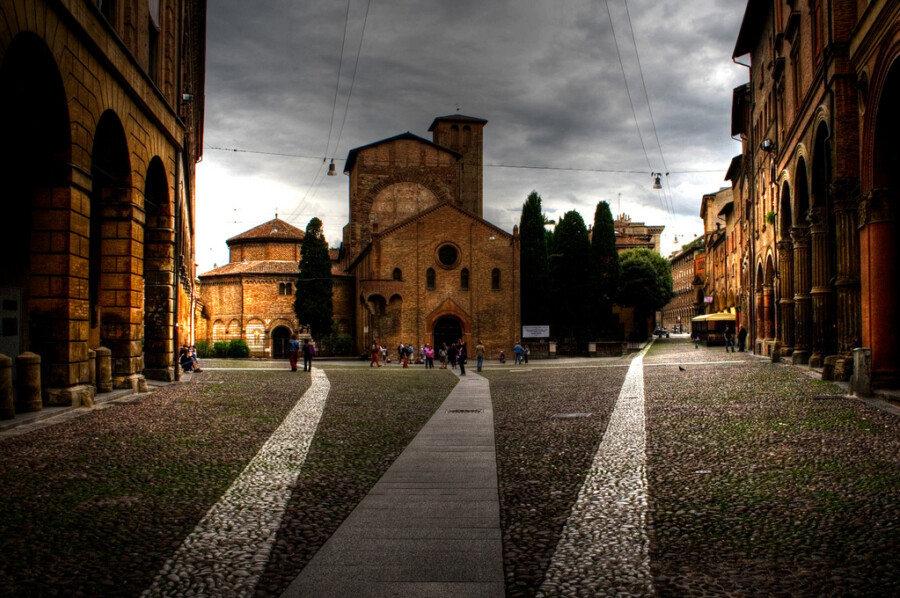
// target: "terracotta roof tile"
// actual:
[[258, 267], [273, 229]]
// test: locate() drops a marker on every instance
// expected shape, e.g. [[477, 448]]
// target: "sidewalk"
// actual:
[[431, 525]]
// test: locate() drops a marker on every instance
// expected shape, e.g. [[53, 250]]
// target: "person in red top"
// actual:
[[376, 352]]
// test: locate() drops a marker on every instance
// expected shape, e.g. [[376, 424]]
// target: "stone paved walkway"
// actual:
[[604, 549], [228, 550], [431, 525]]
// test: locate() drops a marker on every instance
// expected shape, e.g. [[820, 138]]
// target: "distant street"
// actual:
[[678, 471]]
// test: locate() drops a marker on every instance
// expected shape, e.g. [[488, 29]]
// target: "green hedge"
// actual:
[[238, 348], [338, 345], [204, 349]]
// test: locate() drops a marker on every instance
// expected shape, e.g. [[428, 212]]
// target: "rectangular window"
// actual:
[[152, 50]]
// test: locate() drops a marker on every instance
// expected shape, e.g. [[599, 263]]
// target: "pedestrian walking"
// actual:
[[384, 356], [518, 350], [729, 339], [293, 351], [525, 351], [452, 355], [742, 339], [442, 354], [376, 353], [463, 356], [479, 355], [697, 341], [309, 350], [429, 357]]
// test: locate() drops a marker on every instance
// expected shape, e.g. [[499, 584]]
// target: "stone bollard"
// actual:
[[861, 380], [92, 367], [7, 405], [28, 381], [104, 369]]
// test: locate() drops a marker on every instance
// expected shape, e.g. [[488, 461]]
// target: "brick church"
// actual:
[[425, 266], [418, 263]]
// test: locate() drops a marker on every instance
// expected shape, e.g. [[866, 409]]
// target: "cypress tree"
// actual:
[[533, 263], [312, 302], [604, 277], [572, 249]]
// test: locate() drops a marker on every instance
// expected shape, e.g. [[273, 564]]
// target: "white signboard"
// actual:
[[535, 331]]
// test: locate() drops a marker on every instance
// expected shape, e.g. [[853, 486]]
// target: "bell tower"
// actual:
[[464, 134]]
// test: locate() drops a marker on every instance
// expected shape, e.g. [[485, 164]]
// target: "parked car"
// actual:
[[661, 332]]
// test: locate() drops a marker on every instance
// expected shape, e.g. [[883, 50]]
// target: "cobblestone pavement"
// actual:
[[765, 481], [760, 480]]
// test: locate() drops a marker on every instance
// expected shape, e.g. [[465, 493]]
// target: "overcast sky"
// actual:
[[546, 75]]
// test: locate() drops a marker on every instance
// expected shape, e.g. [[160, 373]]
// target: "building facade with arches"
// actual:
[[251, 298], [818, 122], [426, 267], [101, 126]]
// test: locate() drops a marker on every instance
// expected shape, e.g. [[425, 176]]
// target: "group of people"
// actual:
[[456, 355], [188, 360], [741, 339], [729, 340], [294, 349]]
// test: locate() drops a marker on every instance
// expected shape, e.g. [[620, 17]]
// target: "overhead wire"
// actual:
[[523, 166], [671, 206]]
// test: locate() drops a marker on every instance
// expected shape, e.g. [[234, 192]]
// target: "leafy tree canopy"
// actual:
[[645, 280]]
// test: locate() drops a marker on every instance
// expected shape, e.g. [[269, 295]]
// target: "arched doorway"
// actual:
[[111, 175], [447, 330], [280, 337], [34, 152], [158, 292], [880, 237]]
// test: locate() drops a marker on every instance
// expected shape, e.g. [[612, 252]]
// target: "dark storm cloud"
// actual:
[[545, 75]]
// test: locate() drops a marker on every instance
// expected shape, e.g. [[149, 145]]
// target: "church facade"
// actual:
[[423, 264]]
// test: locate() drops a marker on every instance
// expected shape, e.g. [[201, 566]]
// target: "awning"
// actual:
[[720, 317]]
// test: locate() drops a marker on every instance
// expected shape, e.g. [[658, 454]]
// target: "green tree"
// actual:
[[572, 251], [312, 302], [604, 272], [645, 283], [534, 263]]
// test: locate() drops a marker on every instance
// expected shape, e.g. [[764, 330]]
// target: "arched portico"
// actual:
[[159, 251], [879, 228]]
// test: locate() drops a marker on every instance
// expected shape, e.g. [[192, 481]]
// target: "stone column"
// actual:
[[760, 320], [28, 381], [104, 369], [849, 327], [786, 293], [822, 295], [879, 297], [7, 406], [802, 298]]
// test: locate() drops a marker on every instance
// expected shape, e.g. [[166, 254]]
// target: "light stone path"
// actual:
[[604, 549], [430, 527], [227, 552]]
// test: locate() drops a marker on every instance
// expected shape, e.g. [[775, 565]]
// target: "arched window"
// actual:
[[495, 279], [429, 279], [397, 274], [454, 136], [467, 136], [285, 288], [464, 279]]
